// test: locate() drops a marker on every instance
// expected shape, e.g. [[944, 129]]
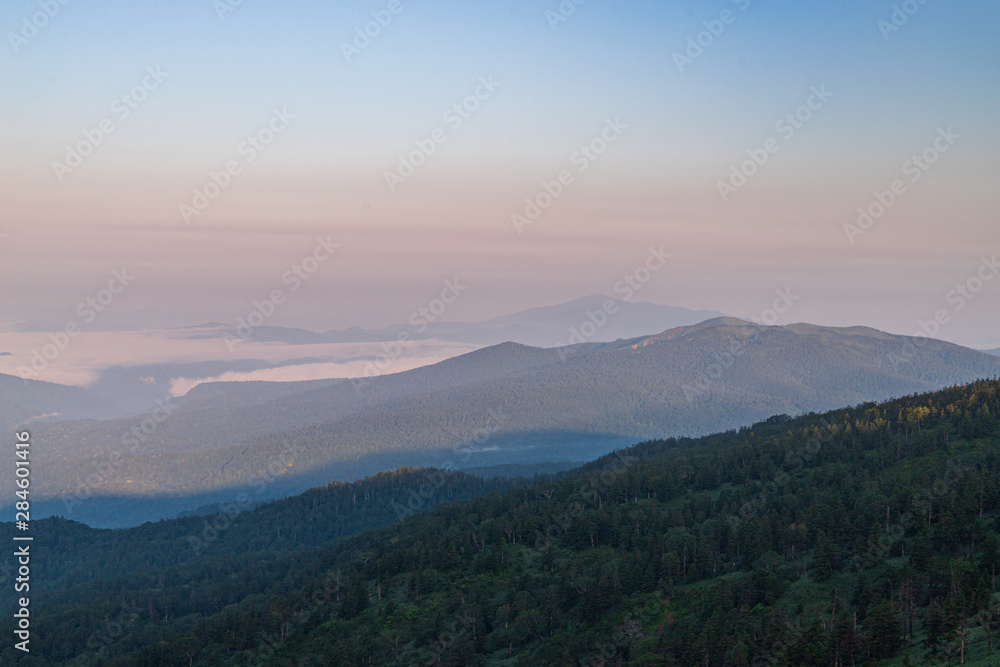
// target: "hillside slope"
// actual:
[[24, 401], [505, 404], [868, 535]]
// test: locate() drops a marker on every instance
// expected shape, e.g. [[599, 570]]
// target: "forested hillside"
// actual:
[[76, 553], [867, 535], [505, 404], [23, 401]]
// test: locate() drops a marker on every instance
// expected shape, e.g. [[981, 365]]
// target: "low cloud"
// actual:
[[92, 353], [323, 371]]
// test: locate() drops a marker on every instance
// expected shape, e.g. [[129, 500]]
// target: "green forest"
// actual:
[[864, 536], [506, 404]]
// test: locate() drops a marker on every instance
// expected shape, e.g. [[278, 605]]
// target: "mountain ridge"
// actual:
[[867, 534], [540, 326], [503, 404]]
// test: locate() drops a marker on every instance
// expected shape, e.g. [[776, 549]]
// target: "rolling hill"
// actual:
[[866, 535], [499, 405], [25, 401]]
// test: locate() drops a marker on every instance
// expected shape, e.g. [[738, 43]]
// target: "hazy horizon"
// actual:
[[833, 106], [989, 341], [282, 277]]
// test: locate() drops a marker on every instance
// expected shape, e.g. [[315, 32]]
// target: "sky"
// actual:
[[213, 152]]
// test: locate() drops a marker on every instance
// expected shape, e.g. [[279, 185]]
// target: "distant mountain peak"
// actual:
[[206, 325], [811, 329], [725, 321], [716, 324], [733, 325]]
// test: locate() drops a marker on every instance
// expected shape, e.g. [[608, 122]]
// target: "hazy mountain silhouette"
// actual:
[[545, 326], [25, 401], [504, 404]]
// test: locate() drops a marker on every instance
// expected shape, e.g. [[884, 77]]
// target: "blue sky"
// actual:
[[657, 185]]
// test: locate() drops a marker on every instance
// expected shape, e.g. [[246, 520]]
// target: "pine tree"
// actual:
[[934, 625], [883, 630], [824, 558]]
